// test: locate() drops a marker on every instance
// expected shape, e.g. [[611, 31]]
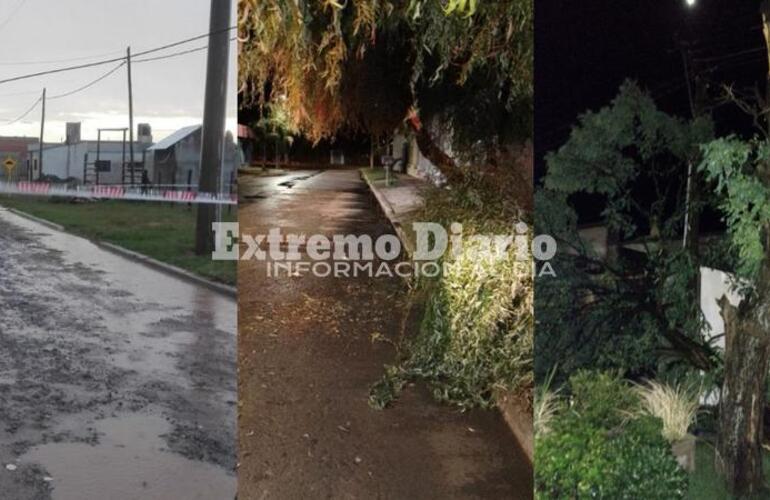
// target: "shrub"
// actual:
[[580, 460], [603, 399], [600, 448], [676, 406]]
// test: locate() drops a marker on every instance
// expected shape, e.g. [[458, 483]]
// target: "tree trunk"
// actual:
[[430, 150], [371, 151], [692, 226], [277, 153], [742, 403], [264, 153], [697, 354]]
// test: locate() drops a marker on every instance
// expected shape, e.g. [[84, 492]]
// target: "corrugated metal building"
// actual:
[[175, 160]]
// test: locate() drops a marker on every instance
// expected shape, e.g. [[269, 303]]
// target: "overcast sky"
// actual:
[[168, 94]]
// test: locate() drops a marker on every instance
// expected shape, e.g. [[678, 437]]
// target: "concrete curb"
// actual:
[[390, 214], [518, 415], [178, 272], [43, 222]]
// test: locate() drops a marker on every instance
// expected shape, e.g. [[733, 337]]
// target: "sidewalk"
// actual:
[[308, 358], [162, 232], [99, 236], [401, 202]]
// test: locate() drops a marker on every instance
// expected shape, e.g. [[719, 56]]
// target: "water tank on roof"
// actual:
[[144, 133], [73, 132]]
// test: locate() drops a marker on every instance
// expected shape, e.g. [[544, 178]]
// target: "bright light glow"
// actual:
[[690, 3]]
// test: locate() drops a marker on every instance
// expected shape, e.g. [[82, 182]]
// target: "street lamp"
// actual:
[[690, 3]]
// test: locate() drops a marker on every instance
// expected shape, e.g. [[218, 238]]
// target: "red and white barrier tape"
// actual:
[[110, 192]]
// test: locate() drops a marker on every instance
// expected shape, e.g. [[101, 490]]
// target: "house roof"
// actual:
[[174, 138]]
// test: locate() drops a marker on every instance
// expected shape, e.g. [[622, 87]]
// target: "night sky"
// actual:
[[584, 51]]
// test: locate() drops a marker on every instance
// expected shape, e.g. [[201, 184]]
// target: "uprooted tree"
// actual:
[[374, 66], [627, 304]]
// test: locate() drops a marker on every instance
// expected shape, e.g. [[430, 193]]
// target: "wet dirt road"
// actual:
[[306, 362], [116, 381]]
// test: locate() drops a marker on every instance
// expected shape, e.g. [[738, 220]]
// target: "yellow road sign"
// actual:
[[9, 163]]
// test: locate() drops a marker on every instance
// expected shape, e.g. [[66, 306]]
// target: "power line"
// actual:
[[175, 54], [90, 84], [113, 70], [16, 94], [25, 113], [730, 56], [61, 70], [55, 61], [122, 63], [103, 54], [13, 13], [737, 63], [181, 42], [107, 61]]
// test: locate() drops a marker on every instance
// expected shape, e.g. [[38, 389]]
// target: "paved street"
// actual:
[[307, 361], [116, 381]]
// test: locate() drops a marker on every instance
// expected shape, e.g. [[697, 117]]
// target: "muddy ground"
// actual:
[[116, 381], [307, 360]]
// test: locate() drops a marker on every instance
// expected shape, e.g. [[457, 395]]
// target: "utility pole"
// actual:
[[765, 11], [130, 117], [213, 133], [696, 99], [42, 129]]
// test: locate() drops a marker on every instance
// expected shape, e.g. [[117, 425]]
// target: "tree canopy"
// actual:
[[369, 65], [622, 308], [740, 170]]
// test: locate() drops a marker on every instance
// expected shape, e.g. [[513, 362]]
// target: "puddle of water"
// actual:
[[8, 377], [134, 279], [156, 356], [130, 462]]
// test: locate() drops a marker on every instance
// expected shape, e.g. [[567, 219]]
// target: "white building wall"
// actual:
[[62, 161], [713, 285], [55, 162], [404, 147], [68, 160], [188, 160]]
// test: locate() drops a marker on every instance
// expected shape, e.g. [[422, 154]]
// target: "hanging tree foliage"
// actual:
[[632, 159], [373, 65]]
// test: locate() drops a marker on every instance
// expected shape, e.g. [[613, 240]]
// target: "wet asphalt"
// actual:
[[116, 381], [307, 361]]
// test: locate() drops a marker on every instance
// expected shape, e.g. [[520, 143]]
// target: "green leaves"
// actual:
[[594, 451], [736, 167], [609, 148], [477, 333], [632, 160], [462, 7]]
